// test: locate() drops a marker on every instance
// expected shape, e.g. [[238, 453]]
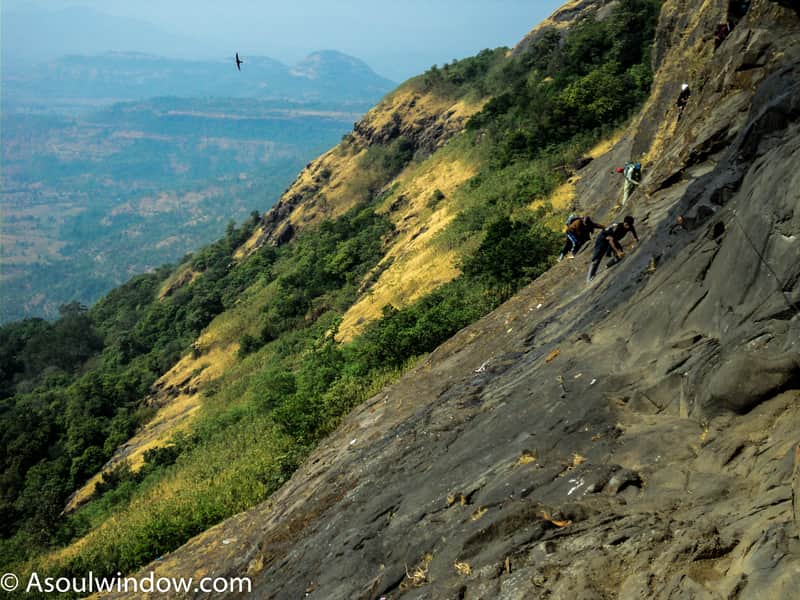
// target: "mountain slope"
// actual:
[[570, 419], [328, 188], [398, 160], [630, 438], [251, 346]]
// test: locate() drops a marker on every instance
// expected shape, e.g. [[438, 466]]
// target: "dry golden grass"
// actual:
[[573, 6], [482, 510], [411, 106], [183, 276], [218, 346], [330, 196], [607, 145], [550, 357], [177, 414], [62, 555], [341, 192], [557, 522], [563, 197], [527, 457], [416, 265], [84, 493], [461, 499], [462, 568], [189, 374], [561, 200], [228, 469], [249, 246], [323, 198], [418, 576], [690, 57], [577, 459]]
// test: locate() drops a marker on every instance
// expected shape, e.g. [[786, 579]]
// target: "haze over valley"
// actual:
[[116, 164]]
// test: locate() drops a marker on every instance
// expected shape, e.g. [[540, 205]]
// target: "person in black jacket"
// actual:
[[608, 242]]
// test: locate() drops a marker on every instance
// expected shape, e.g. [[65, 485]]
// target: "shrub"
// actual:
[[512, 253]]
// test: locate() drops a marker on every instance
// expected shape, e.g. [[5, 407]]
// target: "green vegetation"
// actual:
[[464, 78], [320, 273], [291, 382], [555, 91], [71, 390]]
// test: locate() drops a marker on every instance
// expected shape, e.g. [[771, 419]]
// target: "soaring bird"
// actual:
[[239, 62]]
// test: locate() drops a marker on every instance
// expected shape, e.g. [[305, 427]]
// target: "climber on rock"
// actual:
[[722, 31], [683, 99], [608, 243], [579, 231], [633, 177]]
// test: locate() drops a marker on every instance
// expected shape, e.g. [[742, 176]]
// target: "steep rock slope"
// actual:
[[631, 438]]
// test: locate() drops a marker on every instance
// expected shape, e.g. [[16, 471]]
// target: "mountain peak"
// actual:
[[332, 64]]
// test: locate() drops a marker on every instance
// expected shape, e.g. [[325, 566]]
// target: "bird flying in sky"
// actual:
[[239, 62]]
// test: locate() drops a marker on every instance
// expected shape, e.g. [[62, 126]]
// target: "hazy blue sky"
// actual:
[[398, 38]]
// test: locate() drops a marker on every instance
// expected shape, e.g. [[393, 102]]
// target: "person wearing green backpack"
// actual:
[[633, 177]]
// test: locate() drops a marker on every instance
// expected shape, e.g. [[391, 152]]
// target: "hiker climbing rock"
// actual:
[[683, 99], [682, 223], [579, 231], [722, 31], [633, 177], [608, 243]]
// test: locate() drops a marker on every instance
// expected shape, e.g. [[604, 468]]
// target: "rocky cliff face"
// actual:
[[563, 18], [632, 438]]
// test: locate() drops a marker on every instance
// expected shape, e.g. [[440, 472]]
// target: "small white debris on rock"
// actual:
[[578, 484]]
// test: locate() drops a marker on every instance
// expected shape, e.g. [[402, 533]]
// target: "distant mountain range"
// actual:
[[328, 76]]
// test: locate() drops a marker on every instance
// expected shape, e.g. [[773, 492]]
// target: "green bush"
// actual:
[[511, 254], [402, 334], [463, 77]]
